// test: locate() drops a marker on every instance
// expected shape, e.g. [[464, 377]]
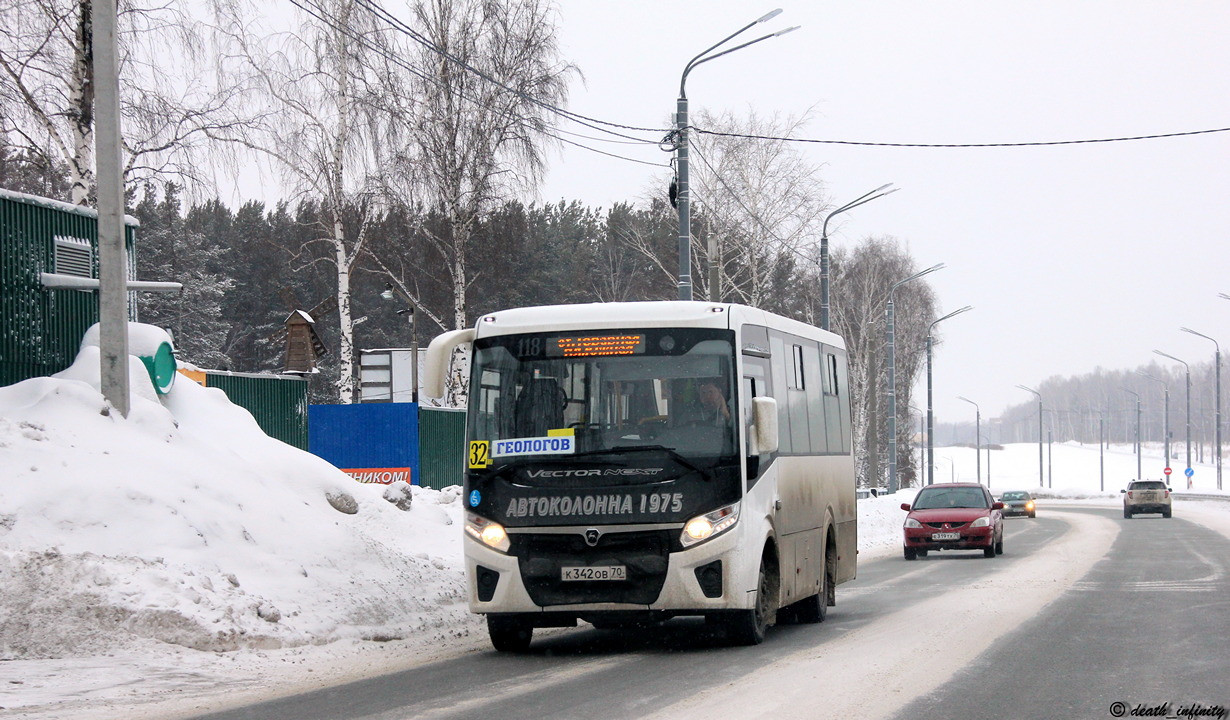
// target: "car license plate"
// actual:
[[595, 572], [946, 536]]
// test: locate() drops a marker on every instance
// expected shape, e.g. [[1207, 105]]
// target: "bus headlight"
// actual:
[[703, 527], [487, 532]]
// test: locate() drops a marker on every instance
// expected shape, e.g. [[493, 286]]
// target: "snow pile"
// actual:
[[879, 523], [185, 524]]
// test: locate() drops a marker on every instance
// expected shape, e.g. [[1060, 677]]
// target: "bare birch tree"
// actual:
[[489, 75], [321, 87], [862, 278], [169, 106], [763, 201]]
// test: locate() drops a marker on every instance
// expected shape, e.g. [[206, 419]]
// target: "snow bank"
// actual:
[[183, 523]]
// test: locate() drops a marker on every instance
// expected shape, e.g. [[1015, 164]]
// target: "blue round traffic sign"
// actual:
[[1189, 472]]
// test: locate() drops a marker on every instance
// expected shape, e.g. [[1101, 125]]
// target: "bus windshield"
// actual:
[[605, 392]]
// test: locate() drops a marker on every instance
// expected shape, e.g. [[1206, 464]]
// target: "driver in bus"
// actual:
[[715, 410]]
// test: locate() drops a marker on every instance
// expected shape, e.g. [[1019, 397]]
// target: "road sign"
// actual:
[[1167, 471], [1189, 472]]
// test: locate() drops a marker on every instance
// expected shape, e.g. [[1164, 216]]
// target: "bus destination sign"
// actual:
[[596, 345]]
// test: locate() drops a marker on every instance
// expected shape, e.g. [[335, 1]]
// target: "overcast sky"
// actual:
[[1073, 257]]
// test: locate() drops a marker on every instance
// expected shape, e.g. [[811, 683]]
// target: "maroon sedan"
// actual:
[[954, 516]]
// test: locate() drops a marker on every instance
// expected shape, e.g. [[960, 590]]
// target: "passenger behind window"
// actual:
[[540, 407]]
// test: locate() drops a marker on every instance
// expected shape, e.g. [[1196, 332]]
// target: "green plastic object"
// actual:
[[161, 368]]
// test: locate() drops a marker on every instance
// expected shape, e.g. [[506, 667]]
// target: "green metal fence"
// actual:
[[41, 329], [442, 435], [278, 402]]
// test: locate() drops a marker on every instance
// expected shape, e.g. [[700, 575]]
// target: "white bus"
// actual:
[[632, 462]]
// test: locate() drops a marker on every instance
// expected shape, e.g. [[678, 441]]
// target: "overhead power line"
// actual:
[[666, 144], [321, 14], [418, 37], [1039, 143]]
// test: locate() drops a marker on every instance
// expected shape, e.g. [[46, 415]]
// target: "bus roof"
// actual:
[[669, 313]]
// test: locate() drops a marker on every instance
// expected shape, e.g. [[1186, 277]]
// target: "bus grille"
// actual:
[[541, 557]]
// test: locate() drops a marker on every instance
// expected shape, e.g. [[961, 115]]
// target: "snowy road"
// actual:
[[906, 638], [1146, 627]]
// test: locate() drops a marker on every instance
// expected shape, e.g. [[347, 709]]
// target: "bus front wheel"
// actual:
[[747, 627], [509, 634]]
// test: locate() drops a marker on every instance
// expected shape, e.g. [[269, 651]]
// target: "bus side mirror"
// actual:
[[764, 425], [436, 362]]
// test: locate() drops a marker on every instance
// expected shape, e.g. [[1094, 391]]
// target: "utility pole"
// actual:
[[112, 257]]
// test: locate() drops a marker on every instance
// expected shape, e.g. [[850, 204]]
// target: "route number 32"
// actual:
[[480, 454]]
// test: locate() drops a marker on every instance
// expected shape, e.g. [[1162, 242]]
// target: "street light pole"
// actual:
[[824, 246], [977, 436], [681, 156], [1165, 414], [1050, 477], [890, 325], [1133, 392], [411, 309], [1101, 450], [1188, 373], [1035, 392], [1217, 399], [930, 417]]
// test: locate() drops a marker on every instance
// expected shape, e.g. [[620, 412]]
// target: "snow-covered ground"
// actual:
[[178, 560]]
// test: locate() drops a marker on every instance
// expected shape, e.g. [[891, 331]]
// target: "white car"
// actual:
[[1146, 496]]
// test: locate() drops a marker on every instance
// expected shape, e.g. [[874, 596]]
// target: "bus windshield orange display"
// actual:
[[596, 345]]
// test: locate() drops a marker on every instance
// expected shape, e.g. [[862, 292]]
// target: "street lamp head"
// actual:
[[915, 276], [1172, 357], [1206, 337], [779, 33], [769, 15], [967, 308]]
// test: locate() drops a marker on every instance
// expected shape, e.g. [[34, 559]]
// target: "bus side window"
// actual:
[[749, 392]]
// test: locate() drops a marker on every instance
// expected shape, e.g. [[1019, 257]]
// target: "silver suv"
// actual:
[[1146, 496]]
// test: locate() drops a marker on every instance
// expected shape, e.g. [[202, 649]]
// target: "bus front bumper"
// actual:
[[695, 580]]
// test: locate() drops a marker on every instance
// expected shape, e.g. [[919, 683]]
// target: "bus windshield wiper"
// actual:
[[674, 455]]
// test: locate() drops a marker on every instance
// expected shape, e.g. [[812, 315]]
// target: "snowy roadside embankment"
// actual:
[[183, 523]]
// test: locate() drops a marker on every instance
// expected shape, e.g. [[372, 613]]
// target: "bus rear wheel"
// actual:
[[509, 634]]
